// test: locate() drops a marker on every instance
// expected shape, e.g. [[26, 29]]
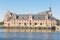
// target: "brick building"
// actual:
[[44, 18]]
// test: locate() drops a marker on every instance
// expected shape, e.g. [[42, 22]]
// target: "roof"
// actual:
[[38, 16]]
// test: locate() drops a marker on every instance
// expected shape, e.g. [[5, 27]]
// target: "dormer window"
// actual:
[[17, 16], [33, 17], [23, 17]]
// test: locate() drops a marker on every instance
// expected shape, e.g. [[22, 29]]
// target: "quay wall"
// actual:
[[26, 30]]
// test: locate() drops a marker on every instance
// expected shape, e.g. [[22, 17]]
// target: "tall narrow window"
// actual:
[[30, 23], [24, 23], [33, 17], [48, 17], [40, 23]]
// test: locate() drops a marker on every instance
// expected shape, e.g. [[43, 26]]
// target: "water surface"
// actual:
[[29, 35]]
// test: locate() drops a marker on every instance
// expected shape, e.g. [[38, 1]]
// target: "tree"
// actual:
[[1, 23]]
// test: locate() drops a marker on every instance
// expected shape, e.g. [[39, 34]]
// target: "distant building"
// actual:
[[40, 19]]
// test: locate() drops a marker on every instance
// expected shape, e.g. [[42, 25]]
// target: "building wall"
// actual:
[[29, 22]]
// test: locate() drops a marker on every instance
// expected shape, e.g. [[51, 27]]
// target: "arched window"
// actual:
[[35, 23], [40, 23], [24, 23], [30, 23]]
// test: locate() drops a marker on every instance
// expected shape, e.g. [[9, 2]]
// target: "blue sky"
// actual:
[[29, 6]]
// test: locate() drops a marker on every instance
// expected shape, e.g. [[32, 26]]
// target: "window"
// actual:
[[17, 17], [35, 23], [30, 23], [33, 17], [30, 20], [40, 23], [19, 23], [48, 17], [24, 23]]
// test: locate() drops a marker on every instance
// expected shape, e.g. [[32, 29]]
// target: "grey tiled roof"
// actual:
[[34, 16], [21, 16], [39, 16]]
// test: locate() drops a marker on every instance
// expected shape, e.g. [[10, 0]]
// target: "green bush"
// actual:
[[1, 23]]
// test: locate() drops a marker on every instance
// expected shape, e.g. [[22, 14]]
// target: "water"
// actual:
[[29, 35]]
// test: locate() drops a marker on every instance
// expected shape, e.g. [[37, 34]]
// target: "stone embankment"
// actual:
[[26, 30], [31, 29]]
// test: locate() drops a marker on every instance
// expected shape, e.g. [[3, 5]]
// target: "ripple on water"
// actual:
[[29, 35]]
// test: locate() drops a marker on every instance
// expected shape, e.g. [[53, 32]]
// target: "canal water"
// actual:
[[29, 35]]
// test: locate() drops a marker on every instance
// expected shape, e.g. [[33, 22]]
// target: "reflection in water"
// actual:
[[30, 35]]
